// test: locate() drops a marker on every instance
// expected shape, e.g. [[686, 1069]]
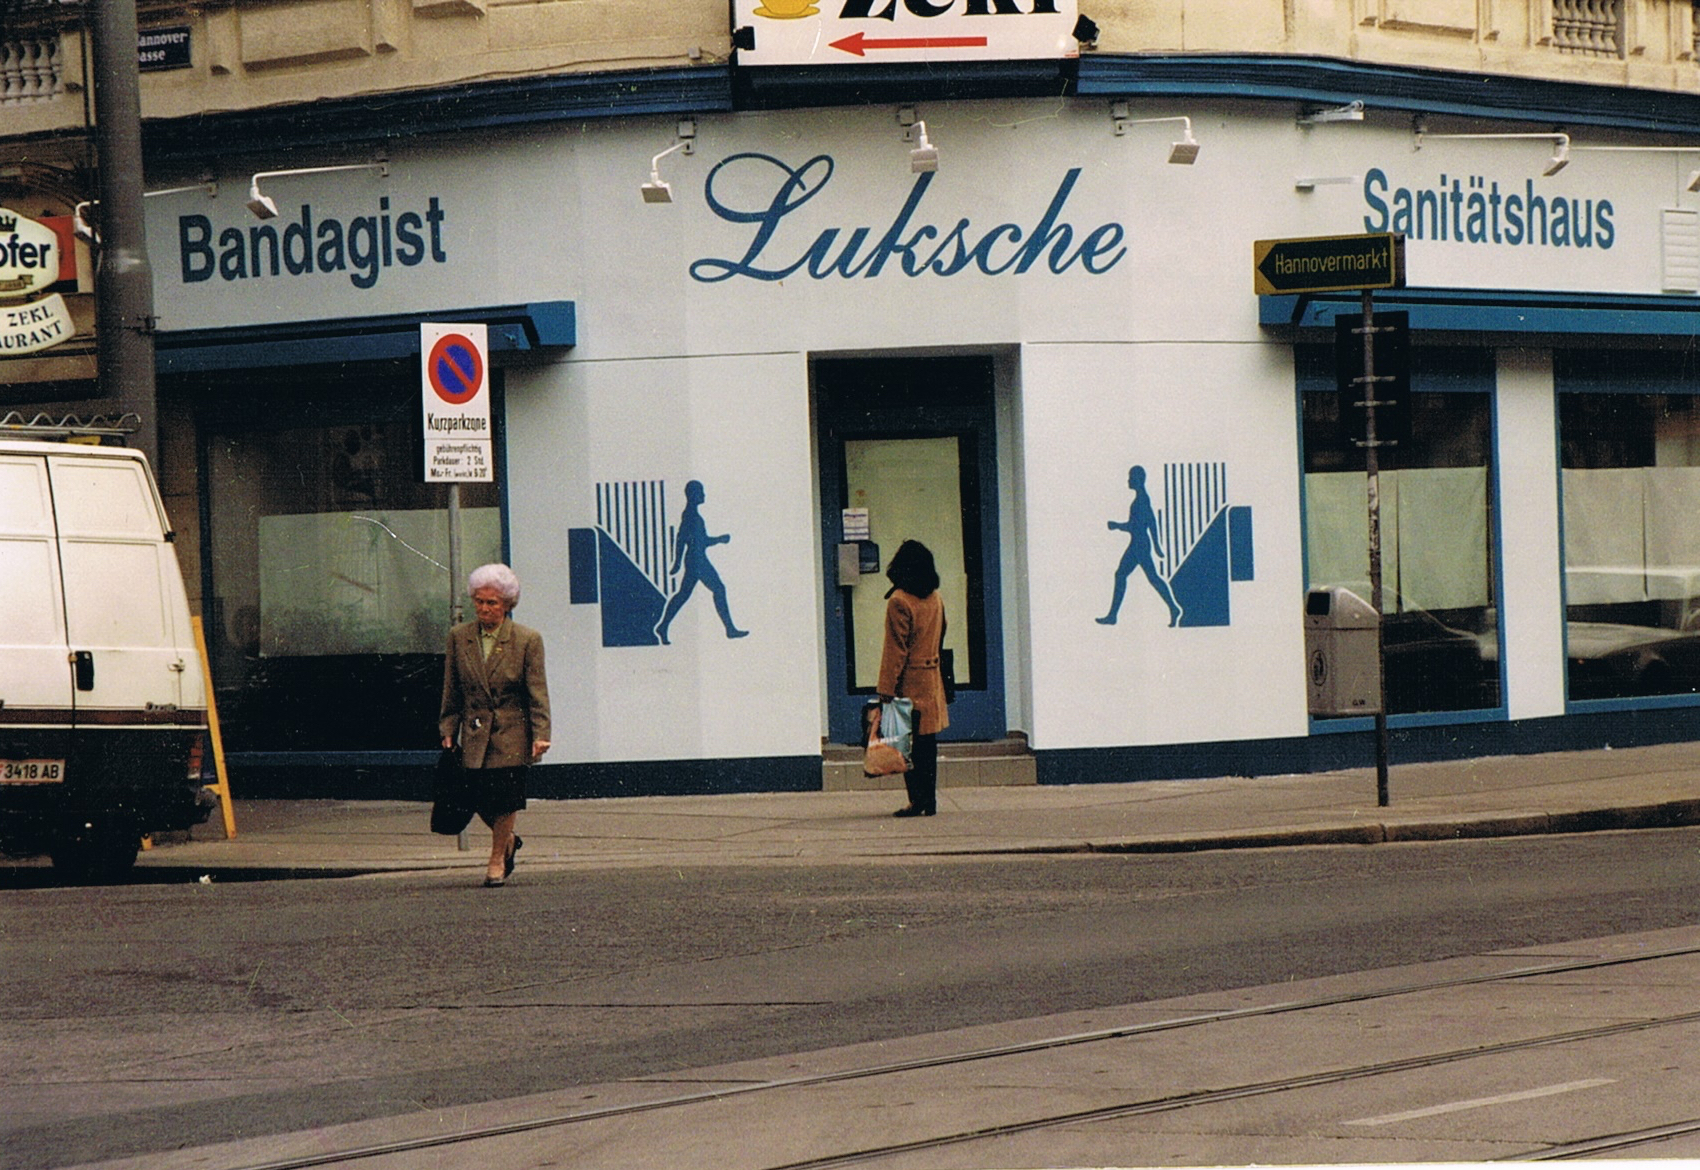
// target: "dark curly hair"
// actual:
[[912, 570]]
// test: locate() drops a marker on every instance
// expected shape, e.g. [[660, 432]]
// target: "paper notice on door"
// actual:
[[856, 524]]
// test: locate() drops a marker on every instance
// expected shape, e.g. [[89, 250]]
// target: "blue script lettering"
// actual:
[[913, 248]]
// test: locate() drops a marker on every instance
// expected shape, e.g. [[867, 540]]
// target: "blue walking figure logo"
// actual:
[[1144, 544], [691, 551]]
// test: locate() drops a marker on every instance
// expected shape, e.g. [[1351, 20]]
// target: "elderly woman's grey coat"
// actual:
[[494, 708]]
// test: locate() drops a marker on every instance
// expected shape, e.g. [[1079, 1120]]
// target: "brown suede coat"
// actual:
[[909, 663], [494, 708]]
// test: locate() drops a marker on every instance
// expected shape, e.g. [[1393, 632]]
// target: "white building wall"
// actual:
[[738, 425], [1157, 359], [1091, 413]]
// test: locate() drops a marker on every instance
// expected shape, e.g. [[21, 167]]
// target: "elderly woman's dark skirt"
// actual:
[[496, 792]]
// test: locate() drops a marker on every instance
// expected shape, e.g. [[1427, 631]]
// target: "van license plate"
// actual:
[[32, 771]]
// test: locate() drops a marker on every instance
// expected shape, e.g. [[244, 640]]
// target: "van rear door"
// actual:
[[122, 592], [35, 676]]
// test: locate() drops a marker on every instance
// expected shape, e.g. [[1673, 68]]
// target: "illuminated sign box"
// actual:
[[883, 32]]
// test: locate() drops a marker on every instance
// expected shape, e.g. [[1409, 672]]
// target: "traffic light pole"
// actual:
[[1372, 466]]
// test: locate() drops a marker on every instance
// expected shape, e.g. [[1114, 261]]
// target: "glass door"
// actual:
[[908, 452]]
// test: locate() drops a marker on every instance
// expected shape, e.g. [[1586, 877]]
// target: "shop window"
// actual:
[[329, 587], [1629, 438], [1436, 491]]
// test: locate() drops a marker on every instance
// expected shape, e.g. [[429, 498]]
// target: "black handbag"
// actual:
[[947, 664], [451, 798]]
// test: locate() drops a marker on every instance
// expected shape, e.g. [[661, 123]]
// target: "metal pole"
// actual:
[[457, 608], [457, 603], [124, 317], [1372, 465]]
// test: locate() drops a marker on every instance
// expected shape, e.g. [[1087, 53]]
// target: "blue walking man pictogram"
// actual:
[[691, 551], [1143, 546]]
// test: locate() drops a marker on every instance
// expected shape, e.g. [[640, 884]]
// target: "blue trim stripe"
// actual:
[[1324, 81], [449, 109], [512, 329], [1498, 311]]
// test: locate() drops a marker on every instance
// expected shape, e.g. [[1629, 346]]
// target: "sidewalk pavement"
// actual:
[[1651, 787]]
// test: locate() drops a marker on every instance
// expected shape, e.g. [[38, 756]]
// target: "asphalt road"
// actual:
[[150, 1017]]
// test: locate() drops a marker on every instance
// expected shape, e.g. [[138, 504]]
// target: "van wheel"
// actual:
[[101, 852]]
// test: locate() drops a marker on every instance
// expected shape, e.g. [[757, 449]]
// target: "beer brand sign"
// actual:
[[29, 255], [29, 263]]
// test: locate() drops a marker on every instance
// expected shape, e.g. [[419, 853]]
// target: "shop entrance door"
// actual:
[[909, 446]]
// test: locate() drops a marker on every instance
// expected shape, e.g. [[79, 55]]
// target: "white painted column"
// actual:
[[1531, 606]]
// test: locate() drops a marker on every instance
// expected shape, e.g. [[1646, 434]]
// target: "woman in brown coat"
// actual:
[[909, 666], [496, 708]]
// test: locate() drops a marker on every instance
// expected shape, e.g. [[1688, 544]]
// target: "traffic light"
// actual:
[[1392, 387]]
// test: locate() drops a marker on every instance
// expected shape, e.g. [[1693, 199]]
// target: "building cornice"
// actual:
[[1327, 81]]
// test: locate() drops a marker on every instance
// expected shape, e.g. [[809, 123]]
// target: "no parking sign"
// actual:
[[455, 389]]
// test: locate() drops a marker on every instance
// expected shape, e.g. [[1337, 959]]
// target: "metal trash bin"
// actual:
[[1342, 665]]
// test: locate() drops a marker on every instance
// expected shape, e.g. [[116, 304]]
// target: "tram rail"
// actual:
[[1134, 1108]]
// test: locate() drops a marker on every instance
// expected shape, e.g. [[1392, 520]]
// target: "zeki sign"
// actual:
[[455, 388], [878, 32]]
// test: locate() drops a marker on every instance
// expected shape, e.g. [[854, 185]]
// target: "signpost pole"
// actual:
[[1372, 467], [1360, 263], [455, 394], [456, 606]]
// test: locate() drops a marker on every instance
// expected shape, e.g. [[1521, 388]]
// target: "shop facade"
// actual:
[[1044, 358]]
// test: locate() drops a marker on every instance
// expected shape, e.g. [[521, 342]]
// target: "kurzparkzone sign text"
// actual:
[[850, 32]]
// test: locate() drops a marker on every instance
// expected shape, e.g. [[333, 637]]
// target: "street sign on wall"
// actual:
[[455, 388], [1316, 264], [851, 32]]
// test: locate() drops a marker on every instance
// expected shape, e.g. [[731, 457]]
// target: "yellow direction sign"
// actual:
[[1328, 263]]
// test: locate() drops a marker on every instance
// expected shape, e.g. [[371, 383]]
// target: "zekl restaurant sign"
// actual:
[[852, 32], [30, 261]]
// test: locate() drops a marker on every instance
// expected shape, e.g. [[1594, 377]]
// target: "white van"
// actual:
[[103, 703]]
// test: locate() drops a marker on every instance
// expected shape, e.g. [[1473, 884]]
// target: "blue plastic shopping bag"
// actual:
[[890, 737]]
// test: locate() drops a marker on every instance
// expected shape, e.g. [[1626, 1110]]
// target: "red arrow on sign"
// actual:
[[859, 43]]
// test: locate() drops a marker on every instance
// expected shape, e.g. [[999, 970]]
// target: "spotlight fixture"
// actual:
[[1183, 153], [1086, 32], [1350, 112], [1560, 153], [658, 190], [263, 206], [924, 159], [260, 204]]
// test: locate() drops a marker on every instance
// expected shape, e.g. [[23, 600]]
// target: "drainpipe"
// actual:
[[124, 318]]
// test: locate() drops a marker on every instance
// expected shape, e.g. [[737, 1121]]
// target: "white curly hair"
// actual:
[[498, 577]]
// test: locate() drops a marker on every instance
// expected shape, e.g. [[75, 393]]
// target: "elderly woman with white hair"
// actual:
[[495, 708]]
